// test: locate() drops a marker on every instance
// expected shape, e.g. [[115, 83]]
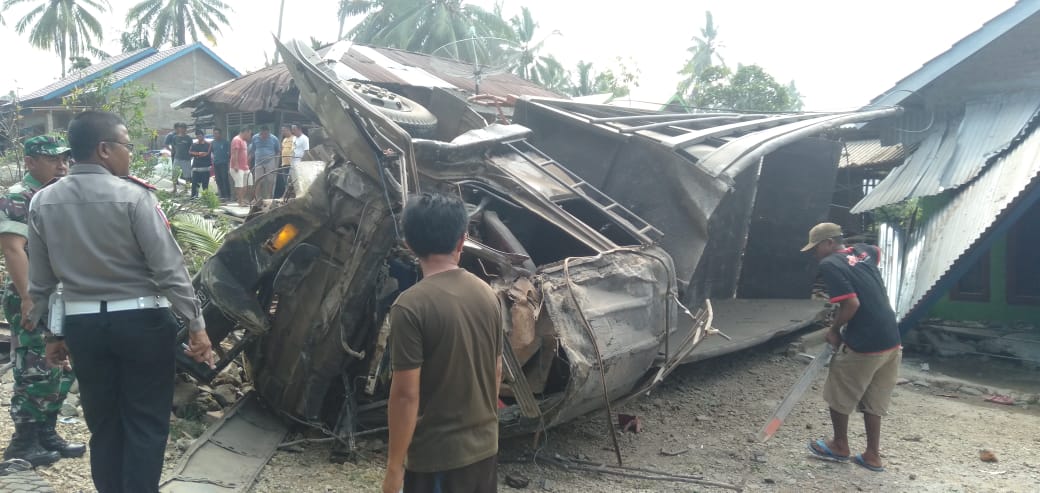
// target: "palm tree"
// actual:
[[421, 26], [66, 26], [551, 74], [703, 54], [173, 20]]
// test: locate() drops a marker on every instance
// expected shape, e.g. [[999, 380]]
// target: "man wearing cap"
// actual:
[[868, 352], [39, 390], [102, 235]]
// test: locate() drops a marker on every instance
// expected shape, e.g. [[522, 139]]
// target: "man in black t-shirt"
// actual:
[[867, 355]]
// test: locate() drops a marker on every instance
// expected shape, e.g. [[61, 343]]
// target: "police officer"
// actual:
[[102, 235], [39, 390]]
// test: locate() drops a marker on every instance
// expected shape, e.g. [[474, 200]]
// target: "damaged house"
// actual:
[[967, 265], [269, 97]]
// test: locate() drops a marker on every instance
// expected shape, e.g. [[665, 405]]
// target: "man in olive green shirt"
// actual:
[[446, 353]]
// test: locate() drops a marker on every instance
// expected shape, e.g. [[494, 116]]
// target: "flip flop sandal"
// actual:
[[821, 451], [858, 459]]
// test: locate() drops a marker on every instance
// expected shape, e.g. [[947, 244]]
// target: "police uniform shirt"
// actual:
[[106, 239]]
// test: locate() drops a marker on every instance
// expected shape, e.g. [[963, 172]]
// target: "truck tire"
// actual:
[[413, 117], [24, 482]]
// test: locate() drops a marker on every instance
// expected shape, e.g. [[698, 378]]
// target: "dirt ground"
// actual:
[[930, 441]]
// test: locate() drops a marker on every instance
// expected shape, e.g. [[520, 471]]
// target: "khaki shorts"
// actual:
[[862, 381]]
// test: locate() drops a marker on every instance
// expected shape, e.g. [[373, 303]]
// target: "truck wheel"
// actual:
[[410, 115], [24, 482]]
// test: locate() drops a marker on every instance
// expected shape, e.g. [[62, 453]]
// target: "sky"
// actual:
[[841, 54]]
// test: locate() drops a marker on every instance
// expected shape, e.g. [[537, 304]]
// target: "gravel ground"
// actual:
[[930, 443], [931, 440]]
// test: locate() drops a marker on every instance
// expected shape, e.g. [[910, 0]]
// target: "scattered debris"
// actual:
[[913, 477], [948, 396], [925, 367], [630, 423], [547, 484], [759, 457], [632, 472], [702, 418], [675, 452], [987, 456], [769, 481], [69, 410], [1005, 400], [921, 383], [913, 438], [969, 390], [902, 381], [518, 482]]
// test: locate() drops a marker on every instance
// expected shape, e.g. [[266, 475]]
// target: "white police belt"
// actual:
[[142, 303]]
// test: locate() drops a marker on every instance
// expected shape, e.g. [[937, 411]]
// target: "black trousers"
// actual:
[[125, 364], [281, 182], [223, 180], [199, 176]]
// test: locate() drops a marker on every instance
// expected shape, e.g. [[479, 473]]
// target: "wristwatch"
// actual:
[[48, 337]]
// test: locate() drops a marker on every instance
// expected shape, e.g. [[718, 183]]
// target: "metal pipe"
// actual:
[[775, 143], [666, 116], [711, 119], [498, 229]]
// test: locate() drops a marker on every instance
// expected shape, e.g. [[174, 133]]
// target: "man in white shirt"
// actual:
[[300, 145]]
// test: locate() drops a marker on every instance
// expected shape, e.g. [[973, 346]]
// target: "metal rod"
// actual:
[[713, 119], [636, 473], [599, 359], [667, 116]]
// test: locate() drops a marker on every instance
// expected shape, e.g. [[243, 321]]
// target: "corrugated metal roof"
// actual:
[[161, 58], [89, 73], [956, 151], [948, 237], [870, 152], [261, 90], [958, 53]]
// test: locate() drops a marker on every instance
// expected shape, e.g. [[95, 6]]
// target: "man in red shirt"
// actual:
[[241, 175]]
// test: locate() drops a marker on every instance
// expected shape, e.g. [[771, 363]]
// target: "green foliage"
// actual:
[[69, 27], [11, 135], [172, 21], [617, 81], [420, 26], [135, 40], [750, 88], [209, 199], [80, 62], [128, 101], [198, 237], [904, 214], [703, 55], [710, 85]]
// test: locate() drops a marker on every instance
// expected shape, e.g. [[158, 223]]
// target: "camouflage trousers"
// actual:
[[38, 389]]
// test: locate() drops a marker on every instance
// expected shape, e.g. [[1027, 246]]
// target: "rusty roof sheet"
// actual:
[[258, 91], [870, 153], [947, 239], [956, 151], [261, 90]]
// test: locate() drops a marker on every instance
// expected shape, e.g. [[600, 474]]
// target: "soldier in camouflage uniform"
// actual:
[[39, 390]]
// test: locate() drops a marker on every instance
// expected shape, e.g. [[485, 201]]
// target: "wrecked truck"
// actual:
[[593, 293]]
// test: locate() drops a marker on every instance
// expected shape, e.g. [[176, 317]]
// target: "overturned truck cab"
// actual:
[[589, 300], [594, 295]]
